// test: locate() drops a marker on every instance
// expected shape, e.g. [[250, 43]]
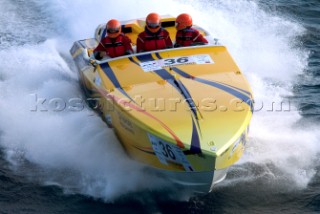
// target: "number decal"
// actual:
[[183, 60], [170, 152], [169, 61], [167, 151], [164, 151], [176, 61]]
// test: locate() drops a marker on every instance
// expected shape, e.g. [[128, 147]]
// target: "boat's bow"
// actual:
[[196, 99], [185, 111]]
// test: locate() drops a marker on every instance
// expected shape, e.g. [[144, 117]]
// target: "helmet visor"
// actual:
[[113, 30], [153, 25]]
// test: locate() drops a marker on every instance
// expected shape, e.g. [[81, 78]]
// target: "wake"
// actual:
[[77, 151]]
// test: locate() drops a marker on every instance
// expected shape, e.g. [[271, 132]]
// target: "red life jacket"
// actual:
[[148, 41], [115, 47], [188, 36]]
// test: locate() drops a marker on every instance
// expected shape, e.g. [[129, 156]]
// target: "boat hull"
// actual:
[[198, 182], [184, 112]]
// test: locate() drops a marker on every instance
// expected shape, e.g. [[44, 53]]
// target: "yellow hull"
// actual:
[[184, 111]]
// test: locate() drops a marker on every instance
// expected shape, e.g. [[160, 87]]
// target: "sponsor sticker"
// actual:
[[125, 123], [169, 62]]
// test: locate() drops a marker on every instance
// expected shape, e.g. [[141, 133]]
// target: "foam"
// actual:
[[79, 145]]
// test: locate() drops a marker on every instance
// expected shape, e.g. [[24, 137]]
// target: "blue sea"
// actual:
[[69, 161]]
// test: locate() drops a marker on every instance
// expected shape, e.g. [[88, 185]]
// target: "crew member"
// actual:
[[115, 43], [186, 35], [154, 37]]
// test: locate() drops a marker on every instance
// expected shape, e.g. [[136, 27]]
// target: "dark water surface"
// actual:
[[40, 182]]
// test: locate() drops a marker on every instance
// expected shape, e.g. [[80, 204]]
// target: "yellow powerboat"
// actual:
[[183, 111]]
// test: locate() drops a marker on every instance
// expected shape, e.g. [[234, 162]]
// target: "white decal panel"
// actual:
[[167, 152], [150, 66], [97, 81], [202, 59], [184, 60]]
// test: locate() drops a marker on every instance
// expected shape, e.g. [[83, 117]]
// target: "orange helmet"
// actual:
[[153, 22], [183, 21], [113, 28]]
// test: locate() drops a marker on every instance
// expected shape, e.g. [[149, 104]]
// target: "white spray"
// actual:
[[79, 143]]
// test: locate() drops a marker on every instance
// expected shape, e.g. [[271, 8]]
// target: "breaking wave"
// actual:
[[76, 150]]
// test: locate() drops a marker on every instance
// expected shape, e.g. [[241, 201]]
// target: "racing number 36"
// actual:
[[173, 61], [167, 151]]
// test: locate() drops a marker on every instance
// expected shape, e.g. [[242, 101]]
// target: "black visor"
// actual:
[[113, 30], [153, 25]]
